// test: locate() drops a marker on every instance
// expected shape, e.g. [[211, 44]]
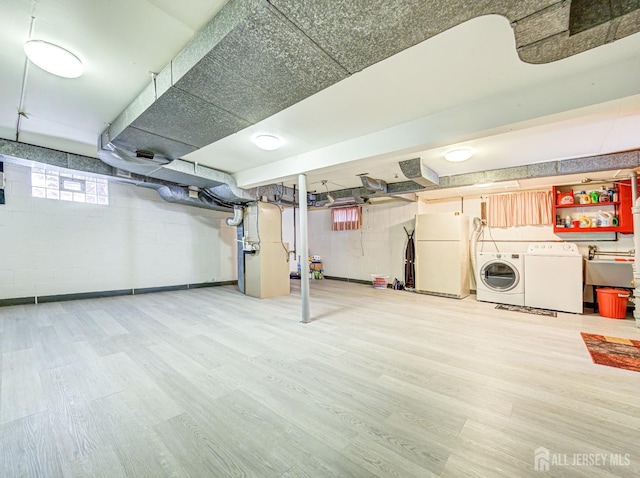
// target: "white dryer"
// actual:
[[554, 277], [500, 277]]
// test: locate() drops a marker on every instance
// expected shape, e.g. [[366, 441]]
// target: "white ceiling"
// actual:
[[464, 86], [120, 43]]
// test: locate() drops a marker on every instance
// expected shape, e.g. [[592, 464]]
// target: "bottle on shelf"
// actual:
[[598, 210], [604, 195], [583, 198]]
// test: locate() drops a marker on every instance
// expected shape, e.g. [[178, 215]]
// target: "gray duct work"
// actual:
[[413, 170], [373, 184], [258, 57], [219, 186], [180, 195]]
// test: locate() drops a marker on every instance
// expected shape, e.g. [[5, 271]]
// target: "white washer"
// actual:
[[553, 273], [500, 277]]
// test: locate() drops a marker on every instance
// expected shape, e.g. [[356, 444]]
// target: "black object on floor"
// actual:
[[528, 310], [397, 285]]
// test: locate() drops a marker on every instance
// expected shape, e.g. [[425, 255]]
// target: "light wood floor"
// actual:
[[383, 383]]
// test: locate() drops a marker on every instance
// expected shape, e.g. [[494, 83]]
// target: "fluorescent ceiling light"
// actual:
[[53, 59], [268, 142], [457, 155], [483, 185]]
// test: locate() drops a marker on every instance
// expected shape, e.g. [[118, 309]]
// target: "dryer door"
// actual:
[[499, 276]]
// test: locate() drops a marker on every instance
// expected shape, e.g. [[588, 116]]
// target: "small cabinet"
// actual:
[[588, 214]]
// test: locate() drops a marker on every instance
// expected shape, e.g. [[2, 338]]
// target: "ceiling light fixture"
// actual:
[[268, 142], [458, 155], [483, 185], [53, 59]]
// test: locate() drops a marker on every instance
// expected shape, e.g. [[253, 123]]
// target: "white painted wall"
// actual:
[[379, 246], [52, 247], [516, 239]]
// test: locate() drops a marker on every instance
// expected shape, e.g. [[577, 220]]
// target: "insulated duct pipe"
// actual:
[[634, 187], [375, 184], [219, 184], [179, 195], [473, 244], [304, 247], [236, 220]]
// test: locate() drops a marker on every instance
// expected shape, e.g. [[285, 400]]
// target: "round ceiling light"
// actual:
[[53, 59], [457, 155], [268, 142]]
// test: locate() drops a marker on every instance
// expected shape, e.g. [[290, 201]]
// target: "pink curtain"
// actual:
[[346, 218], [528, 208]]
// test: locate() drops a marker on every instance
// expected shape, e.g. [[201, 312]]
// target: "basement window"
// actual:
[[67, 186], [346, 218]]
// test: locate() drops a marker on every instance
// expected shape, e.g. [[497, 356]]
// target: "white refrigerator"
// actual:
[[442, 254]]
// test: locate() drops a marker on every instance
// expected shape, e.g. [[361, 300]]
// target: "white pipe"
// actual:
[[473, 244], [304, 246], [237, 217], [634, 187], [23, 89], [636, 243]]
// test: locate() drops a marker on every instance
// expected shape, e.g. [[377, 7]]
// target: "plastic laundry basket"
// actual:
[[379, 282], [612, 303]]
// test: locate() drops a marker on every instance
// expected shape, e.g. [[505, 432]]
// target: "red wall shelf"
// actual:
[[586, 229], [591, 204], [621, 209]]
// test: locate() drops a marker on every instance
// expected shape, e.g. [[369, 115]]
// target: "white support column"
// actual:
[[304, 247]]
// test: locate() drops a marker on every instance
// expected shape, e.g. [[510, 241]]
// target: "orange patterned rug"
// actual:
[[613, 351]]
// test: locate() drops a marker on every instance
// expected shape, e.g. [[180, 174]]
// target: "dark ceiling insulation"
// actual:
[[586, 14], [258, 57]]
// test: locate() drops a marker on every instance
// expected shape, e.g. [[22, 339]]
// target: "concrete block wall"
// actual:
[[50, 247], [377, 248]]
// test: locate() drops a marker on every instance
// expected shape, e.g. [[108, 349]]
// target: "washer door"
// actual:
[[499, 276]]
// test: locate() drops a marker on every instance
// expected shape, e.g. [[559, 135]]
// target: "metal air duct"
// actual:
[[257, 57], [220, 185], [374, 184], [180, 195]]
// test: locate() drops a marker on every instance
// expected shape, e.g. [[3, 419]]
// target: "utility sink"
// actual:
[[602, 272]]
